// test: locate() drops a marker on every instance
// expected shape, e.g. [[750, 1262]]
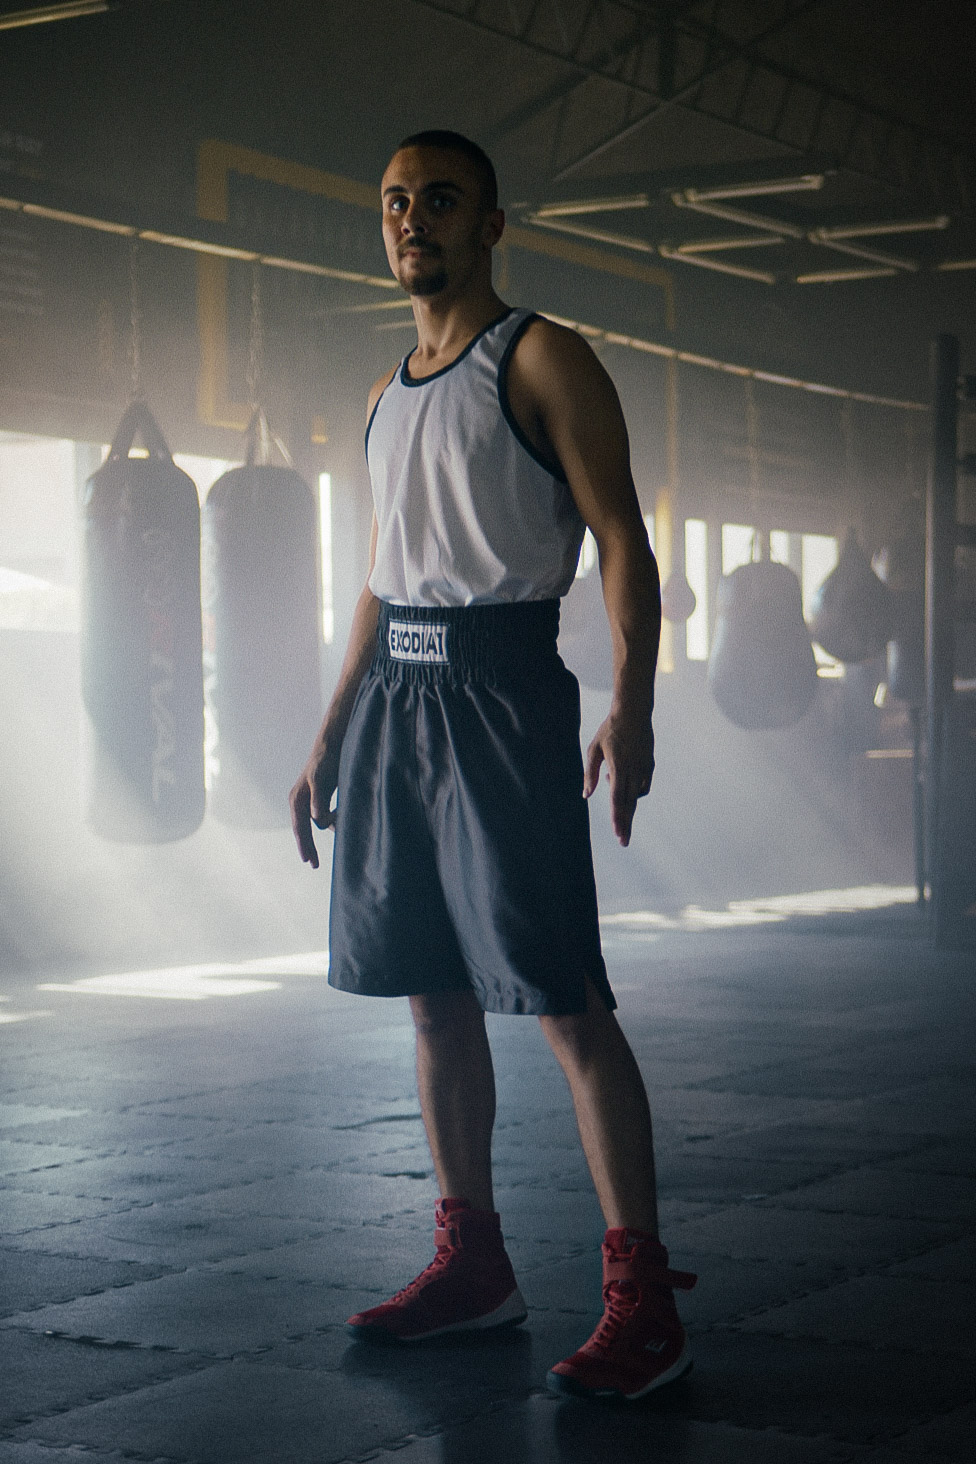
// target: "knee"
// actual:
[[448, 1016], [579, 1040]]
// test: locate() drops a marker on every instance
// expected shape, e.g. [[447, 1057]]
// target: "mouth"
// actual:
[[421, 251]]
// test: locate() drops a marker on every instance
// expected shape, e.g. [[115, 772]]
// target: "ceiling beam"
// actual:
[[878, 146]]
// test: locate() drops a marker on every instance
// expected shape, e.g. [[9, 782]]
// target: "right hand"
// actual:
[[311, 800]]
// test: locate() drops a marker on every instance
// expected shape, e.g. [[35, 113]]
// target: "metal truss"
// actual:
[[659, 56]]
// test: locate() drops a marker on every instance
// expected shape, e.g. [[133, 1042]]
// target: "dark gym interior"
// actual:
[[761, 216]]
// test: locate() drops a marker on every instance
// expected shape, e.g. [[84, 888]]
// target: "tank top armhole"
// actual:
[[372, 415], [506, 406]]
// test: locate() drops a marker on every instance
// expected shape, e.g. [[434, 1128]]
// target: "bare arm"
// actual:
[[311, 797], [568, 405]]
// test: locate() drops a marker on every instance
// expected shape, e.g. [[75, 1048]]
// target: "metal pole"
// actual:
[[940, 535]]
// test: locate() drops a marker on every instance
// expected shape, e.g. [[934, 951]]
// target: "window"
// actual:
[[696, 573]]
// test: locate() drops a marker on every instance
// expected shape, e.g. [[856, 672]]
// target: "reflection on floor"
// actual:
[[197, 1192]]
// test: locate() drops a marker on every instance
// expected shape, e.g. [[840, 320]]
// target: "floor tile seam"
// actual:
[[849, 1272], [205, 1357], [774, 1203], [81, 1220], [842, 1344], [27, 1311], [93, 1398], [136, 1456], [217, 1187]]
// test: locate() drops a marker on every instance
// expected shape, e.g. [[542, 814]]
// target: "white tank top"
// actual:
[[467, 511]]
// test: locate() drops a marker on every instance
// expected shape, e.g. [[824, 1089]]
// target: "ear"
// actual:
[[494, 227]]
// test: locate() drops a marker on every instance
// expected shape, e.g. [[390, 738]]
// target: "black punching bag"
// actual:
[[261, 633], [141, 653], [761, 669], [852, 608], [584, 633]]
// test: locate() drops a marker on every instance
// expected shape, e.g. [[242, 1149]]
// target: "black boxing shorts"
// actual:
[[462, 847]]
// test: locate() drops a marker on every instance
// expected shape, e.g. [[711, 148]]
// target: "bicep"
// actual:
[[584, 421]]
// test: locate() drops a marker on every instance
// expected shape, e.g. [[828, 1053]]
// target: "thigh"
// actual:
[[502, 770], [390, 930]]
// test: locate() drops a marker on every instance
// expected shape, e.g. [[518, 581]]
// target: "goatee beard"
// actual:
[[432, 285]]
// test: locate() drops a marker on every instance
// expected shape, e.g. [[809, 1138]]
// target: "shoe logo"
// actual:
[[655, 1346]]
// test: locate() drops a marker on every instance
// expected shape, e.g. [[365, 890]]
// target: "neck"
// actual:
[[445, 325]]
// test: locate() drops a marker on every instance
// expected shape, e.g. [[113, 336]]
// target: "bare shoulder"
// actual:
[[546, 342], [377, 390], [552, 357]]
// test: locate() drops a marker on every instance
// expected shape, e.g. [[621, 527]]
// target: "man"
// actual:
[[462, 874]]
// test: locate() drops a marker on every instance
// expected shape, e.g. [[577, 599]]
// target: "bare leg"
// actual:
[[456, 1083], [612, 1112]]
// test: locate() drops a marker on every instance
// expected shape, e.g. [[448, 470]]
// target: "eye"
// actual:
[[397, 205], [441, 202]]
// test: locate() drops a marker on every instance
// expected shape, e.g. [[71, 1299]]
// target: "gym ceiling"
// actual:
[[787, 183]]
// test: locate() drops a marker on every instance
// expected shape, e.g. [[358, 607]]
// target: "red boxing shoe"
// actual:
[[640, 1343], [469, 1286]]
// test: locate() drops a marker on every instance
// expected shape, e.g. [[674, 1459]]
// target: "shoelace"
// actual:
[[620, 1302], [437, 1264]]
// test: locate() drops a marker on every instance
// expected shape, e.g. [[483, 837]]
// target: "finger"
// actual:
[[594, 761], [301, 824], [622, 807]]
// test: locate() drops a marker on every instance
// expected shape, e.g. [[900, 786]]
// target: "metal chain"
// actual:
[[135, 322], [255, 354], [760, 540]]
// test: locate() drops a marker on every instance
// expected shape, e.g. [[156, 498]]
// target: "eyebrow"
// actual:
[[427, 188]]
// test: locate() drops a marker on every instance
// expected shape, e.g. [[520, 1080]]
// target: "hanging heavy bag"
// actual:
[[902, 568], [678, 599], [852, 608], [584, 633], [761, 670], [261, 631], [141, 655]]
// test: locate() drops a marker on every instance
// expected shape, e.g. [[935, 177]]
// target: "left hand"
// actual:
[[626, 745]]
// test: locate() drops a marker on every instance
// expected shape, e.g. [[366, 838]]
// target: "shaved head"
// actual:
[[456, 142]]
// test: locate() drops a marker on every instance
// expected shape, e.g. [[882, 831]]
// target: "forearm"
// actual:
[[632, 595]]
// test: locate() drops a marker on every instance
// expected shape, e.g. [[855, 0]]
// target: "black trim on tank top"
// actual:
[[406, 380], [372, 414], [506, 406]]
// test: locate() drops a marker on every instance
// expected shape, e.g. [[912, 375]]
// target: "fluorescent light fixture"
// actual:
[[325, 558], [957, 264], [893, 226], [691, 200], [750, 241], [42, 14], [805, 183], [601, 236], [839, 276], [590, 206], [104, 226], [823, 238], [721, 265]]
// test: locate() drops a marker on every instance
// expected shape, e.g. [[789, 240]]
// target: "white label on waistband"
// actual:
[[418, 641]]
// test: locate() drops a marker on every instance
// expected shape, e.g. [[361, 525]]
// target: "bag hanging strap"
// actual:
[[137, 420]]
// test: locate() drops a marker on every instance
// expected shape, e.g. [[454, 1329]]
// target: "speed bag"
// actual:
[[261, 641], [761, 671], [141, 647], [852, 608]]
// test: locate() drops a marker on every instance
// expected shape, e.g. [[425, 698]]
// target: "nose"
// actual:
[[412, 220]]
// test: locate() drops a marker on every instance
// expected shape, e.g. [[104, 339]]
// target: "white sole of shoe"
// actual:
[[511, 1312], [569, 1387]]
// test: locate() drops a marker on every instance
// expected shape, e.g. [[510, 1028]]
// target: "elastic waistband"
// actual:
[[429, 643]]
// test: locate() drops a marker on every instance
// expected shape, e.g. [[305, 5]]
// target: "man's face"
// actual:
[[436, 229]]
